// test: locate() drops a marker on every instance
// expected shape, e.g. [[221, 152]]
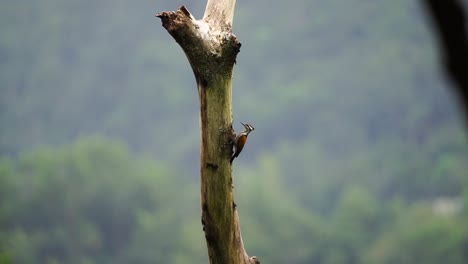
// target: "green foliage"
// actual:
[[4, 258], [92, 202], [266, 215], [87, 202], [421, 237], [356, 135]]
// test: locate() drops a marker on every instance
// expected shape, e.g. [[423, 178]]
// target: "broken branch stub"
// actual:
[[211, 48]]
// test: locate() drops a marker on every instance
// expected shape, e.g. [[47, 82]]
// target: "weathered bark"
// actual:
[[211, 49]]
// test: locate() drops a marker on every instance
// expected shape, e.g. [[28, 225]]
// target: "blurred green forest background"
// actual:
[[359, 153]]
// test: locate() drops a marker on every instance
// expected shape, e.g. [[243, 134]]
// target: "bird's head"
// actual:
[[248, 127]]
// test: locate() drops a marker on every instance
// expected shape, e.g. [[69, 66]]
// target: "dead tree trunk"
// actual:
[[211, 49]]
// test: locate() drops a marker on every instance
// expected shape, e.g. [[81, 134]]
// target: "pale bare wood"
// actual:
[[219, 12]]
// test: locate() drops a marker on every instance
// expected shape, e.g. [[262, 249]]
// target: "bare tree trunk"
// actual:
[[211, 49]]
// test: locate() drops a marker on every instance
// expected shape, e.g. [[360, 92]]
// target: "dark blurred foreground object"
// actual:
[[449, 24]]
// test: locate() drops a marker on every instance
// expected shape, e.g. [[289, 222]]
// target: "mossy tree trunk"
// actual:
[[211, 49]]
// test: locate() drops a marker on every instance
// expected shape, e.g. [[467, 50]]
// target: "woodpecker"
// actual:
[[240, 140]]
